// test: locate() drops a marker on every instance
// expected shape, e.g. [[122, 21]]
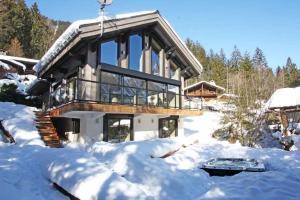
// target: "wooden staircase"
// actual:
[[47, 130]]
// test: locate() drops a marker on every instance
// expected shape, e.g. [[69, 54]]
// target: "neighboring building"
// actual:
[[204, 89], [13, 64], [123, 84]]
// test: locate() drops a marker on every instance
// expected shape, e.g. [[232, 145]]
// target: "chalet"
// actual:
[[285, 103], [115, 80], [204, 89]]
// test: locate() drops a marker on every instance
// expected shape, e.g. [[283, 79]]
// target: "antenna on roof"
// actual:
[[103, 3]]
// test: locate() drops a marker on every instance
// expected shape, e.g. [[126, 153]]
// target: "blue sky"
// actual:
[[272, 25]]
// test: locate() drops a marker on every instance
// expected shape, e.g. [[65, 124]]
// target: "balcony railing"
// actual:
[[79, 90]]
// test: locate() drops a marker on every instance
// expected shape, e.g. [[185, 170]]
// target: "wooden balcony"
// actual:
[[116, 108], [204, 93]]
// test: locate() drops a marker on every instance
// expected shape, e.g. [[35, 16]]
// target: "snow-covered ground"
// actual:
[[133, 170]]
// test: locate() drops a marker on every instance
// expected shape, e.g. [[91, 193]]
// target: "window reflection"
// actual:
[[109, 52], [155, 62], [174, 71], [168, 127], [119, 130], [136, 53]]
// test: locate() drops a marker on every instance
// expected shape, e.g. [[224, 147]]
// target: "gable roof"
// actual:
[[210, 84], [88, 28]]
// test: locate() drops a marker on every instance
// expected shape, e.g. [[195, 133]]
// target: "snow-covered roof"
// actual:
[[211, 84], [12, 61], [74, 29], [21, 59], [4, 65], [284, 97]]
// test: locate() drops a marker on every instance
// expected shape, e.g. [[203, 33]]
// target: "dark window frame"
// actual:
[[142, 35], [117, 116], [99, 50], [160, 122]]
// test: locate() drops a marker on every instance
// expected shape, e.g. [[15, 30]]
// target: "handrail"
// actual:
[[64, 94]]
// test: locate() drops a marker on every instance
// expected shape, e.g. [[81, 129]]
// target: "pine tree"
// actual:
[[15, 23], [40, 33], [293, 74], [235, 59], [15, 48], [259, 59]]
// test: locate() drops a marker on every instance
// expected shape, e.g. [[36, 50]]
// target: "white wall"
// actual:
[[91, 128], [180, 127], [145, 127]]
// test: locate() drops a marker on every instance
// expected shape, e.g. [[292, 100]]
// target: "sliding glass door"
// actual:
[[118, 128], [168, 127]]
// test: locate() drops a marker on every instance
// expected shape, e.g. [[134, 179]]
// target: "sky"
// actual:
[[272, 25]]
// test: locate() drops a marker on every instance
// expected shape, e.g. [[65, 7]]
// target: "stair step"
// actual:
[[43, 118], [42, 121], [53, 142], [55, 146], [52, 137], [47, 130]]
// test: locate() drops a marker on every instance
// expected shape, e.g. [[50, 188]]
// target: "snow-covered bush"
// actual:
[[9, 93]]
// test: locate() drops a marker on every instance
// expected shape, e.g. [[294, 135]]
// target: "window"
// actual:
[[111, 90], [109, 52], [173, 71], [155, 58], [155, 62], [173, 96], [134, 91], [136, 53], [118, 128], [168, 127], [156, 94]]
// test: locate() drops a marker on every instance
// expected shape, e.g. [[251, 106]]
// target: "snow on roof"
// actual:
[[284, 97], [74, 29], [22, 59], [10, 60], [211, 83], [4, 65]]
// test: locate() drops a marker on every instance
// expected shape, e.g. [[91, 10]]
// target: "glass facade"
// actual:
[[111, 90], [109, 52], [118, 129], [136, 53], [168, 127], [173, 71], [155, 62]]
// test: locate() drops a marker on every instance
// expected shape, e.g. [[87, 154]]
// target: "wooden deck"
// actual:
[[115, 108]]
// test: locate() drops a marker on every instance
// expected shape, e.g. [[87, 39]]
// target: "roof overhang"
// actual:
[[91, 29], [207, 84]]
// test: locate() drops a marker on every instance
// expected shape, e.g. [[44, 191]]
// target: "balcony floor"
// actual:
[[116, 108]]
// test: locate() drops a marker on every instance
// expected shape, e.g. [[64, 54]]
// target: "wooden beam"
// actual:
[[113, 108]]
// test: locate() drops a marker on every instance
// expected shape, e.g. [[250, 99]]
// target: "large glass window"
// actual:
[[134, 91], [109, 52], [118, 128], [168, 127], [155, 62], [156, 94], [111, 90], [173, 71], [173, 96], [136, 53]]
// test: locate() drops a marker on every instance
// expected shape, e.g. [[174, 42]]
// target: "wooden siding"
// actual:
[[128, 109]]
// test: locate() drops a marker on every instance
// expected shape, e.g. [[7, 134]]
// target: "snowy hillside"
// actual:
[[133, 170]]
